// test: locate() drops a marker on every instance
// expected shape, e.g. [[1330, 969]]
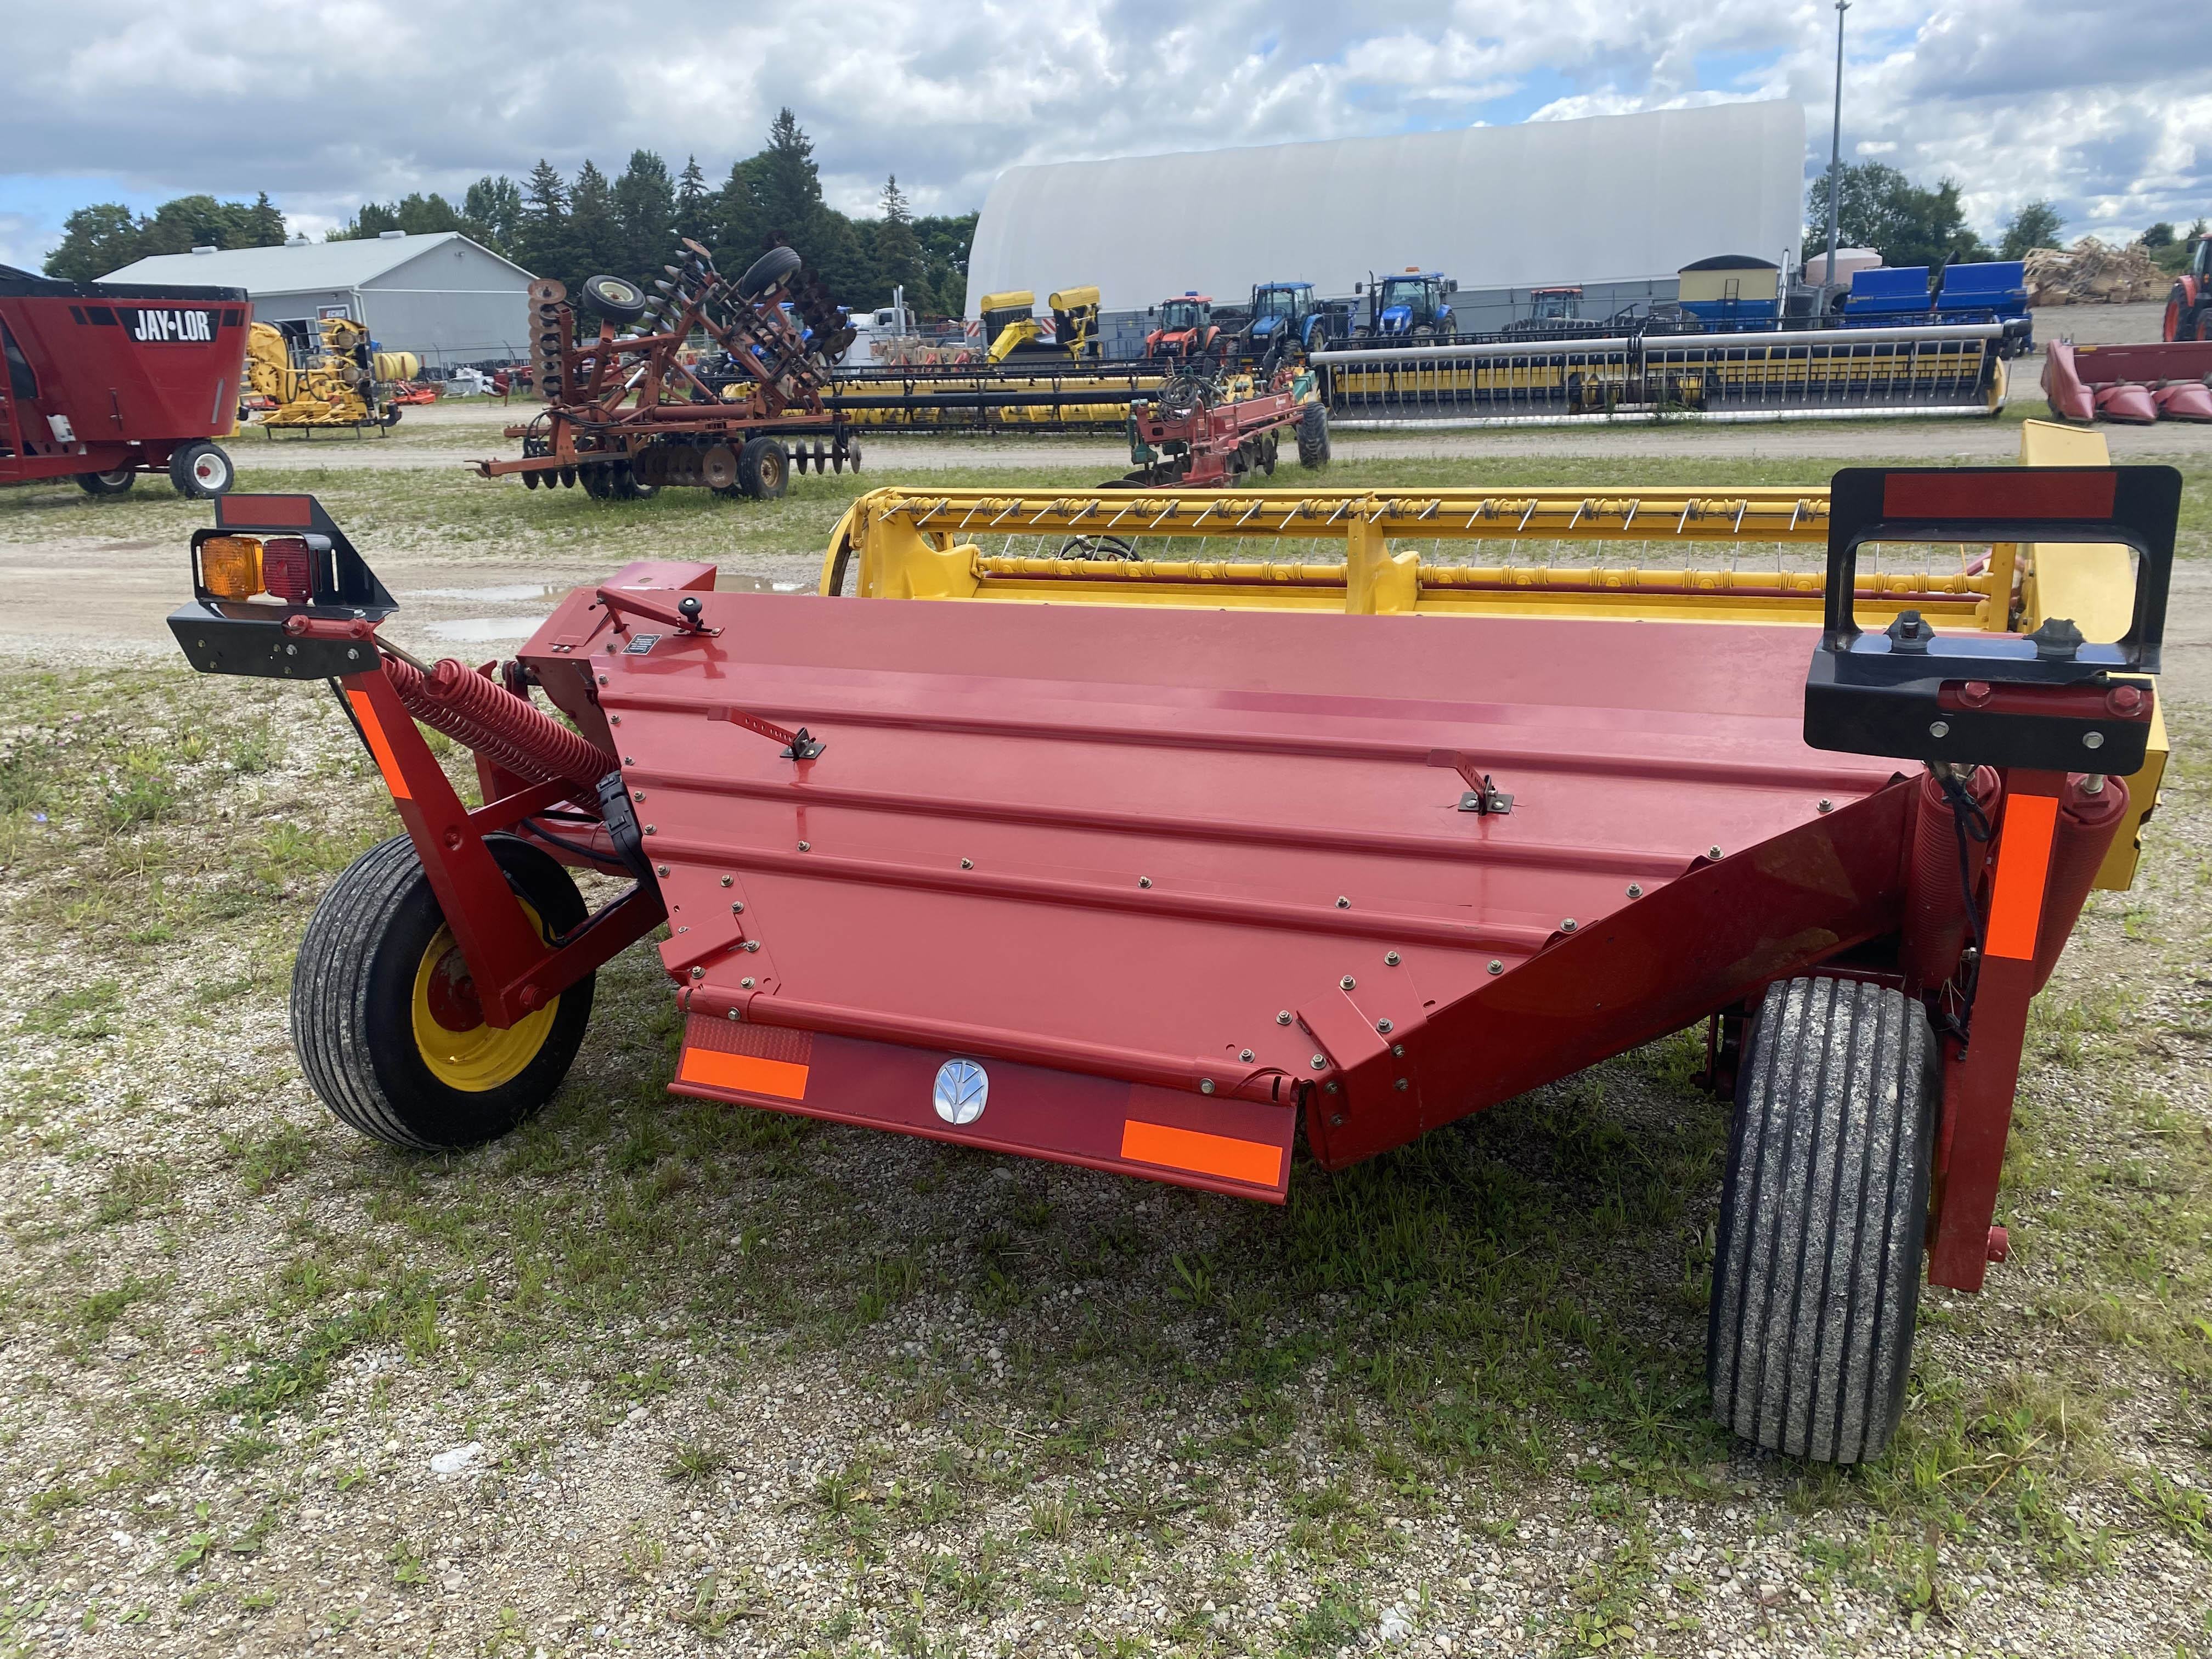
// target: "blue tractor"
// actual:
[[1413, 303], [1286, 318]]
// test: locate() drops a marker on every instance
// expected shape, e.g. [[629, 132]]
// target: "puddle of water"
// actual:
[[511, 593], [485, 628], [727, 583]]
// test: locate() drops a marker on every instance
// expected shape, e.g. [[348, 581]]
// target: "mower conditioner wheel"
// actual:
[[1823, 1214], [387, 1024], [116, 482], [202, 471], [1313, 436]]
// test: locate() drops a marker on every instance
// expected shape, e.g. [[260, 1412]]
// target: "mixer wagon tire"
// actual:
[[386, 1023], [1313, 436], [1824, 1218], [771, 270], [202, 471], [116, 482], [616, 298], [763, 470]]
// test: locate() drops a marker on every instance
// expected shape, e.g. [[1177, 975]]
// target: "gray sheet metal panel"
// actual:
[[1612, 198], [453, 304]]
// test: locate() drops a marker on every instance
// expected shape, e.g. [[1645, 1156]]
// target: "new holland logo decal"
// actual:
[[151, 327]]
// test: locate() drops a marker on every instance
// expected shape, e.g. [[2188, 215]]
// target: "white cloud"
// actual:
[[2101, 107]]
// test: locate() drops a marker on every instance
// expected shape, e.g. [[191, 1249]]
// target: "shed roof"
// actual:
[[298, 267]]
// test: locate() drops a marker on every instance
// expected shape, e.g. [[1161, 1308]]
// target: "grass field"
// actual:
[[743, 1382]]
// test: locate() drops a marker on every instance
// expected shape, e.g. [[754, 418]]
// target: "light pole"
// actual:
[[1836, 144]]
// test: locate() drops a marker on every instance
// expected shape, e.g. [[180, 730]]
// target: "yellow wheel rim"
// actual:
[[461, 1051]]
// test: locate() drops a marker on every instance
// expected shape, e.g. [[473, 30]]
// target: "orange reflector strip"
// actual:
[[379, 745], [2023, 864], [1254, 1161], [746, 1072]]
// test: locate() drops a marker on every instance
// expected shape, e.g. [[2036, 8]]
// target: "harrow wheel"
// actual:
[[763, 470], [387, 1025], [1824, 1215], [771, 271]]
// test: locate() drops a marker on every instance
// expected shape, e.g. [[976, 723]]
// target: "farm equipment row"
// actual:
[[339, 382], [1153, 863]]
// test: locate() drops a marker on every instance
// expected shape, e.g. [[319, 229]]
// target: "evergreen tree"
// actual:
[[897, 252], [788, 186], [542, 243], [644, 203], [595, 242], [264, 223], [491, 213], [95, 240], [695, 206], [739, 231]]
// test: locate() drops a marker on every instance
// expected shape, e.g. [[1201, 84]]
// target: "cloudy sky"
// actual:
[[2106, 109]]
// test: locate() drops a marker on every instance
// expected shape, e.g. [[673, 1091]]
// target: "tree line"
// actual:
[[626, 226], [630, 225], [1908, 224]]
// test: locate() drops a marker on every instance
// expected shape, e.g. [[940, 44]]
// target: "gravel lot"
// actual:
[[659, 1378]]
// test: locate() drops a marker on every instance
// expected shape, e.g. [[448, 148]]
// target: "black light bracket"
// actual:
[[2049, 700]]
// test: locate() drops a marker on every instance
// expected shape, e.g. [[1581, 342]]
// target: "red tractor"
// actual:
[[1185, 328], [106, 380], [2189, 307]]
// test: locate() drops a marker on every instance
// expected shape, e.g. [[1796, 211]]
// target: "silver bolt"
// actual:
[[1348, 982], [726, 881], [2093, 740], [807, 847], [733, 1012], [1245, 1054], [637, 794], [1282, 1018], [752, 945], [698, 973], [1939, 728], [1330, 1088], [1712, 851], [614, 720], [1389, 959], [1338, 1120], [351, 654], [1383, 1026], [1342, 903], [1206, 1085], [2093, 784], [1825, 805], [1567, 925], [1401, 1084], [603, 679], [629, 760], [1398, 1051], [1495, 966], [1635, 889], [748, 985], [652, 828], [967, 864], [1144, 881], [1319, 1062], [737, 907], [660, 869]]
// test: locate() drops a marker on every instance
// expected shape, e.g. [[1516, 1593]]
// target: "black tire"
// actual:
[[355, 985], [771, 271], [202, 471], [116, 482], [1313, 436], [597, 479], [616, 298], [2176, 323], [1824, 1219], [763, 470]]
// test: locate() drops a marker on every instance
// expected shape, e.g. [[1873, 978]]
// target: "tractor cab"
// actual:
[[1185, 326], [1414, 301], [1285, 316], [1555, 305]]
